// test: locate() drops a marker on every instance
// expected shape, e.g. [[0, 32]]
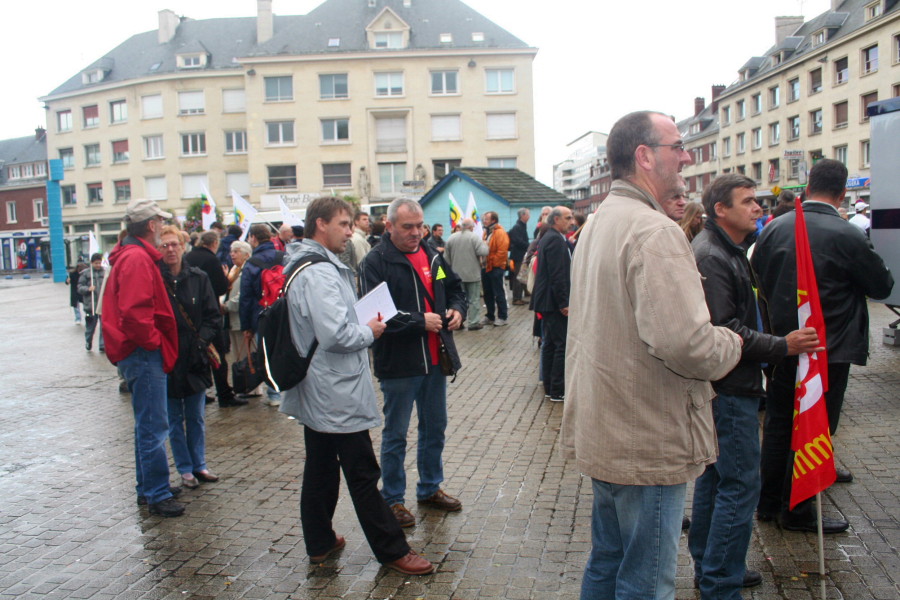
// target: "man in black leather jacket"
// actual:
[[847, 270], [725, 495]]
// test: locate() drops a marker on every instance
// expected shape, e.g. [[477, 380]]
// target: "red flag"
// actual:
[[811, 439]]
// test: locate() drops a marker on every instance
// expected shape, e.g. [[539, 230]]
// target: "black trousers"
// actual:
[[220, 375], [777, 460], [326, 455], [553, 353]]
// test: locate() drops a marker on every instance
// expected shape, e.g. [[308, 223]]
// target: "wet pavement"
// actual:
[[70, 528]]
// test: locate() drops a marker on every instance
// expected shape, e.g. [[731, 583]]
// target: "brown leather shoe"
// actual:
[[404, 517], [441, 500], [339, 543], [411, 564]]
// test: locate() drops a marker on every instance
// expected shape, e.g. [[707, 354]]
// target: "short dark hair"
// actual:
[[261, 231], [325, 208], [96, 256], [828, 177], [235, 230], [359, 214], [627, 134], [297, 230], [786, 197], [441, 225], [493, 214], [138, 229], [720, 191], [216, 225], [208, 239]]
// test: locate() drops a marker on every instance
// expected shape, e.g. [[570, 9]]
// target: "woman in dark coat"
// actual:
[[197, 313], [75, 298]]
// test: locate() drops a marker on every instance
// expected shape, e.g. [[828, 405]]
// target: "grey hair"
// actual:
[[522, 211], [242, 247], [467, 224], [412, 204], [555, 213]]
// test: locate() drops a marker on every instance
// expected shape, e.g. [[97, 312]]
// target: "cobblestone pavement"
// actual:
[[69, 526]]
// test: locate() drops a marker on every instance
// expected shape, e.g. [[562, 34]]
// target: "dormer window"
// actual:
[[191, 61], [387, 31], [389, 39], [477, 36], [334, 42], [819, 38], [446, 38], [874, 10], [93, 76]]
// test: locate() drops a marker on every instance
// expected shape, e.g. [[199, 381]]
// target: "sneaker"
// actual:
[[557, 398], [411, 564], [404, 517], [170, 507], [486, 321], [273, 402], [500, 323]]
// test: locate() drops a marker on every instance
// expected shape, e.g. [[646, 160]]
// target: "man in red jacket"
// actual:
[[142, 339]]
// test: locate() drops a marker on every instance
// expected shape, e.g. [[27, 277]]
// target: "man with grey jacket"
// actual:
[[338, 405], [463, 251]]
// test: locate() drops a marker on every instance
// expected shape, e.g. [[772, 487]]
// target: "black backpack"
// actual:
[[277, 357]]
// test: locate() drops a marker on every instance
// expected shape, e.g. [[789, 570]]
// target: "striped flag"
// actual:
[[244, 213], [209, 210], [472, 213], [814, 468], [456, 213]]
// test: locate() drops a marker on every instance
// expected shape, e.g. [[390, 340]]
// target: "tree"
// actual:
[[193, 216]]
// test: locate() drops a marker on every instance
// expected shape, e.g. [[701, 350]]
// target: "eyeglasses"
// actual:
[[171, 245], [678, 147]]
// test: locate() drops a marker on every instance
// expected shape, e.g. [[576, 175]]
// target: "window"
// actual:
[[389, 39], [239, 182], [503, 162], [794, 127], [742, 170], [443, 167], [774, 170], [793, 168], [756, 138], [499, 81], [91, 116], [726, 146], [389, 84], [191, 103], [336, 175], [95, 193], [446, 38], [841, 114], [390, 134], [713, 151], [815, 81], [279, 89], [815, 121], [118, 111], [870, 59], [68, 195], [334, 42], [756, 103], [774, 133], [280, 133], [282, 177], [193, 185], [193, 144], [38, 212], [774, 97], [818, 38], [390, 177], [335, 130], [40, 169], [67, 156], [236, 142], [865, 101], [153, 146], [477, 36], [794, 89], [896, 90], [897, 48], [841, 71], [741, 109], [92, 155], [155, 188], [873, 10], [234, 101], [726, 115], [120, 151], [444, 83], [501, 126], [14, 172], [64, 120], [741, 143], [11, 216], [446, 128], [151, 106], [123, 190], [840, 154], [333, 86]]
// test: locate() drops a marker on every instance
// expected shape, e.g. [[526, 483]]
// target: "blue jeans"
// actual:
[[725, 497], [494, 293], [429, 393], [186, 416], [143, 371], [634, 535]]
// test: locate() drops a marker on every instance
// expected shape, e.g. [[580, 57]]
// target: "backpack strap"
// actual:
[[263, 264], [299, 266]]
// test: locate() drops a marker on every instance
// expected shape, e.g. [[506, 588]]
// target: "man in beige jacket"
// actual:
[[639, 357]]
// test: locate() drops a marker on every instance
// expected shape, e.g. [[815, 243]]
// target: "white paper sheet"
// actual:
[[377, 302]]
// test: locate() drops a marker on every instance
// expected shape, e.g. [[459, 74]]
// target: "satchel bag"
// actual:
[[212, 355], [244, 374], [524, 269]]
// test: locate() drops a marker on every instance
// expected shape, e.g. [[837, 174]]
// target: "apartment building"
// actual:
[[371, 98], [806, 97], [700, 133], [572, 176], [24, 237]]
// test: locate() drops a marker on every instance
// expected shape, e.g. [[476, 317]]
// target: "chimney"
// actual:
[[785, 26], [39, 133], [699, 105], [716, 92], [264, 21], [168, 25]]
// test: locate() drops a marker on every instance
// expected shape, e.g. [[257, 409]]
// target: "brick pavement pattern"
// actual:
[[70, 528]]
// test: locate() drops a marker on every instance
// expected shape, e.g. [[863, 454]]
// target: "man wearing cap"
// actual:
[[142, 340], [860, 219]]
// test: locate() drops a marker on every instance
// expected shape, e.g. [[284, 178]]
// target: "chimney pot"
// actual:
[[39, 133], [168, 25], [699, 105]]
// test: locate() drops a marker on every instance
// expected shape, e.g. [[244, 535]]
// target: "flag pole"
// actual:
[[821, 543]]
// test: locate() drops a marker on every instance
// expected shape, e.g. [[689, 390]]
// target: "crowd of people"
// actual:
[[677, 339]]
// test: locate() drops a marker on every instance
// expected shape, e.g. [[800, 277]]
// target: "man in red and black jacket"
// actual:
[[142, 340], [432, 304]]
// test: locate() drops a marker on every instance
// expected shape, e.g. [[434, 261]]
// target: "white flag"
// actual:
[[208, 214], [287, 216], [244, 213], [472, 213], [93, 246]]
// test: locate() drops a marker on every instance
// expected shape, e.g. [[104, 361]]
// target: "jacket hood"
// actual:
[[298, 250], [126, 246]]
